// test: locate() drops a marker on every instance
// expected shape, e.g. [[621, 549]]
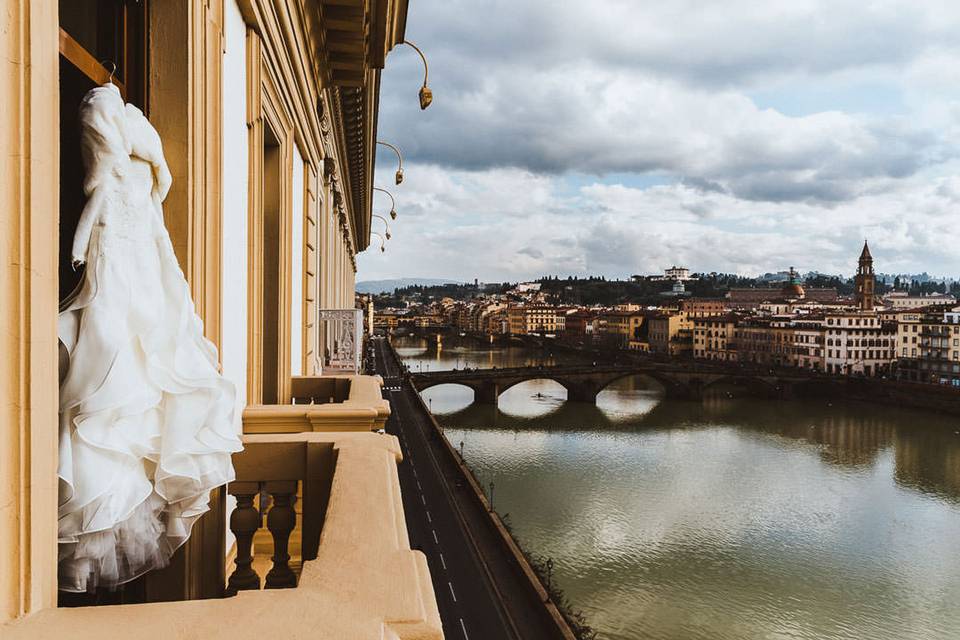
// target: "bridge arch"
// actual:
[[506, 385], [423, 386], [663, 383], [447, 397]]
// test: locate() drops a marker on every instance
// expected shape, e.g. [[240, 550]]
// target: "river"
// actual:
[[726, 518]]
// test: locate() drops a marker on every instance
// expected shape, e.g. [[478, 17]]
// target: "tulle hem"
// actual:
[[133, 547]]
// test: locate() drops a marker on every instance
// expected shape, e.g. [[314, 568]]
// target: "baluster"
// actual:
[[244, 522], [281, 520]]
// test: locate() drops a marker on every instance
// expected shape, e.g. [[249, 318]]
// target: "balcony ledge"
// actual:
[[364, 409], [366, 582]]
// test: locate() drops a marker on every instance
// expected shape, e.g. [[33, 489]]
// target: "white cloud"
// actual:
[[535, 226], [531, 96]]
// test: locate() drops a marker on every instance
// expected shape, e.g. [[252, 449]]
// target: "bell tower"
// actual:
[[865, 279]]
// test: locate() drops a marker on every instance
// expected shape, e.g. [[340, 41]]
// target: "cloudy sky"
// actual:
[[622, 136]]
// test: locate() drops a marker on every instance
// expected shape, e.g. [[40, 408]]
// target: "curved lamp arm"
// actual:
[[393, 203], [385, 224], [399, 177], [383, 241], [426, 95]]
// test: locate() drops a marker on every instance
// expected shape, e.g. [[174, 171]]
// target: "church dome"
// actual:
[[793, 290], [792, 287]]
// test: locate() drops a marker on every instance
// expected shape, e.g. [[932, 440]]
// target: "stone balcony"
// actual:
[[325, 403], [357, 577]]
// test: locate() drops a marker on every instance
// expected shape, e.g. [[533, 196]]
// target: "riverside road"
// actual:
[[478, 588]]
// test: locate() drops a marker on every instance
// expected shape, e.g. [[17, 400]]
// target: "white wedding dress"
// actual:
[[147, 423]]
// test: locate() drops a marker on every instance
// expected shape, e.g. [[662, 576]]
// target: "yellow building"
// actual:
[[543, 319], [671, 333], [267, 111], [516, 321], [766, 340], [928, 345], [713, 337], [627, 329]]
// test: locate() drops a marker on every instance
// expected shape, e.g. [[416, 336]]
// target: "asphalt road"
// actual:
[[479, 593]]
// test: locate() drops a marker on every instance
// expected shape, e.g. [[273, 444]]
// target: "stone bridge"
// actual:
[[584, 382]]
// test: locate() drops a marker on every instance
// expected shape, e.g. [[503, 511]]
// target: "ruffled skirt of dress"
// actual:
[[147, 423]]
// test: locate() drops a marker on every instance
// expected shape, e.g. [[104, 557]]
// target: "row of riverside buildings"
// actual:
[[913, 338]]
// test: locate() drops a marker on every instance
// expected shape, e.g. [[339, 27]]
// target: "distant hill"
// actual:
[[387, 286]]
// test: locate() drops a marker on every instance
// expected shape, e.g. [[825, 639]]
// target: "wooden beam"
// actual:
[[86, 63]]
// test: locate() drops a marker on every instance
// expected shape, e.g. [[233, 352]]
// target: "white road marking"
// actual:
[[423, 500], [419, 486], [443, 562], [452, 594], [464, 628], [429, 519], [435, 536]]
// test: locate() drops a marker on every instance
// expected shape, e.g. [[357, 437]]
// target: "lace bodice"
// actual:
[[126, 180]]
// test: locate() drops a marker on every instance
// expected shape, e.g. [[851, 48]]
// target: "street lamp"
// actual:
[[393, 203], [426, 95], [385, 224], [399, 176], [383, 241]]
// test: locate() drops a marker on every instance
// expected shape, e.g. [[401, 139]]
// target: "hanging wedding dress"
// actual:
[[147, 423]]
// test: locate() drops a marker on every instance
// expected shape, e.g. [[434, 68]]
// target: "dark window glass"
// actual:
[[97, 26]]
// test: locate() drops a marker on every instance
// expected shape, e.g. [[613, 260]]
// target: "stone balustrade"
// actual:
[[325, 403], [359, 577], [271, 476]]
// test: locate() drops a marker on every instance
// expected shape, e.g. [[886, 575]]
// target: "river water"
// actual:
[[726, 518]]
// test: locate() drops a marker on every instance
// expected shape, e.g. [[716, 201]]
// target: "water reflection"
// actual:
[[728, 518]]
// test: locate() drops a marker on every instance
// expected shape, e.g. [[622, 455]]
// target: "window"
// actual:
[[272, 198]]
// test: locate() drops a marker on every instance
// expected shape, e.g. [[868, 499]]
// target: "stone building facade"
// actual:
[[267, 110]]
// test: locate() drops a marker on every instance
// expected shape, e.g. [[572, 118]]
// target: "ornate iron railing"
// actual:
[[341, 339]]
